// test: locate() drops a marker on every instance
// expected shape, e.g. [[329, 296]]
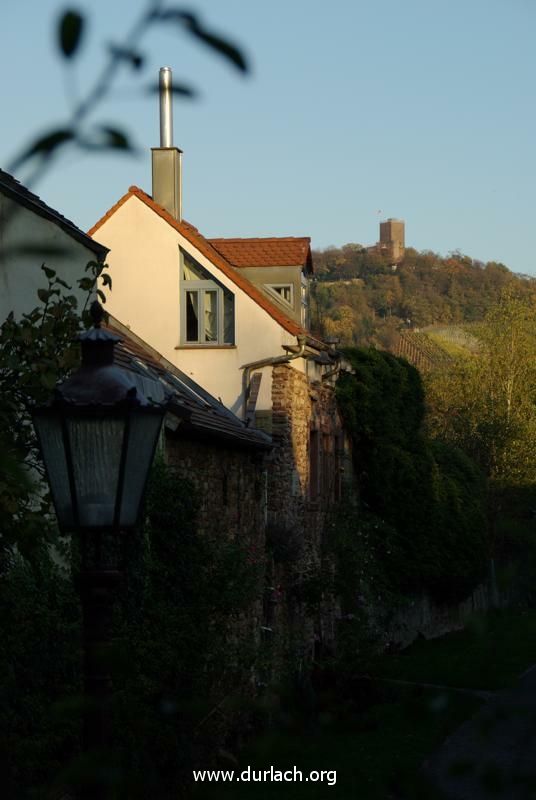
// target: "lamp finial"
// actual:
[[97, 313]]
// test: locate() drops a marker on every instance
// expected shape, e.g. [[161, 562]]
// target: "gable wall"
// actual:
[[144, 266], [20, 272], [260, 276]]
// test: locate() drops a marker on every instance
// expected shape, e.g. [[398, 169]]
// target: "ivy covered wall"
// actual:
[[422, 502]]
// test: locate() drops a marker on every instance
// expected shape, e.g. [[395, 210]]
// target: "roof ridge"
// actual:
[[259, 239]]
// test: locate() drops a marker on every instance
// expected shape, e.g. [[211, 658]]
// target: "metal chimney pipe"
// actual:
[[166, 107]]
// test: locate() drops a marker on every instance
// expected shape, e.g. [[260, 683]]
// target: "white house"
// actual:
[[232, 315], [33, 233], [178, 291]]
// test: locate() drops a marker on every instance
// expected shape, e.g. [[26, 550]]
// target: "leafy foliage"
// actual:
[[104, 136], [40, 664], [186, 642], [421, 502], [36, 351], [360, 298], [485, 404]]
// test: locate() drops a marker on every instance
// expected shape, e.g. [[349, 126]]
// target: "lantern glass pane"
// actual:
[[96, 445], [144, 431], [50, 435]]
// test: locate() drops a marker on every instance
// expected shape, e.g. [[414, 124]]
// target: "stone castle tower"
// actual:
[[392, 239]]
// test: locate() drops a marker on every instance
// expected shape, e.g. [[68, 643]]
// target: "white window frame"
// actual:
[[200, 287], [273, 287]]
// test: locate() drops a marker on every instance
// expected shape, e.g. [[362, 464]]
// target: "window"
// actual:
[[207, 307], [304, 302], [283, 291]]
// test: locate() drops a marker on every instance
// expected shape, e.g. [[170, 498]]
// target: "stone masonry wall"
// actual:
[[304, 416], [230, 485]]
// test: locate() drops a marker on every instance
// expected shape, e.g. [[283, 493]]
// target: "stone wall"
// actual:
[[300, 408], [422, 616], [303, 487], [230, 485]]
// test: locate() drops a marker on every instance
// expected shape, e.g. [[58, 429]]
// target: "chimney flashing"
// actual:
[[167, 148]]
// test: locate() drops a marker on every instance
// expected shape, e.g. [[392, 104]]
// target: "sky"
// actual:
[[354, 111]]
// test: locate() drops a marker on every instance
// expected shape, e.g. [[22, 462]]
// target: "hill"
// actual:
[[363, 299]]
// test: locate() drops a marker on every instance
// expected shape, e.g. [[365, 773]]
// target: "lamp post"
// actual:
[[98, 436]]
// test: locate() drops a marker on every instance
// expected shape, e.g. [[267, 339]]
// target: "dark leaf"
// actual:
[[101, 295], [49, 380], [65, 285], [107, 280], [50, 273], [191, 23], [43, 146], [70, 32], [116, 138], [43, 295], [134, 58], [106, 138], [178, 88], [224, 47]]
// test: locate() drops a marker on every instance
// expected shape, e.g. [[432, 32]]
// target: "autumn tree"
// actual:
[[485, 403]]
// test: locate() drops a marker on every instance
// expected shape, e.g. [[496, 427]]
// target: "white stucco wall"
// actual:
[[144, 266], [20, 271]]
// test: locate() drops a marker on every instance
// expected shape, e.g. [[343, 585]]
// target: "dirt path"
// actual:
[[492, 755]]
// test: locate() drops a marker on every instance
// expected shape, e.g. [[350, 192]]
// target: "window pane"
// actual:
[[51, 437], [144, 430], [192, 271], [228, 318], [192, 316], [211, 316], [283, 290], [96, 446]]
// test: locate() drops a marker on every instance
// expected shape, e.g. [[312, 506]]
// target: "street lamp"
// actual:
[[98, 436]]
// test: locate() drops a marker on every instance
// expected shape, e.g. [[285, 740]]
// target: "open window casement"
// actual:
[[206, 306]]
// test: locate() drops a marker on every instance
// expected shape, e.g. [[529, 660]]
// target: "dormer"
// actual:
[[280, 267]]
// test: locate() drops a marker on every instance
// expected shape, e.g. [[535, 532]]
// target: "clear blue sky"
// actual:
[[354, 111]]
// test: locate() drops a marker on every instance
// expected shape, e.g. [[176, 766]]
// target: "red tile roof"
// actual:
[[287, 251], [207, 249]]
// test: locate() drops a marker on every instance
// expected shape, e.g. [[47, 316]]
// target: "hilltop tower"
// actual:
[[392, 239]]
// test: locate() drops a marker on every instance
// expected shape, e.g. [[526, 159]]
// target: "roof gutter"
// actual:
[[335, 369], [267, 362]]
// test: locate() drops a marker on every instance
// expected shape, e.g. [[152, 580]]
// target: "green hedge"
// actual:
[[426, 500], [183, 644]]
